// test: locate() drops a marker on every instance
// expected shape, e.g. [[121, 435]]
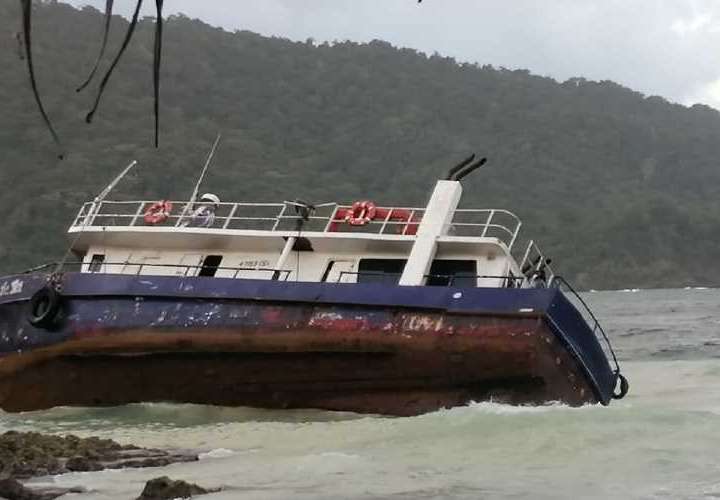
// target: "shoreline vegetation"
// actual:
[[622, 190]]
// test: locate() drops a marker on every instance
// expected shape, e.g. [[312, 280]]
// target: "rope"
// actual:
[[108, 17], [27, 28], [106, 78]]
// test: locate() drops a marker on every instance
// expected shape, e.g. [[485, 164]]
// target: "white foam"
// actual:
[[216, 453], [492, 408]]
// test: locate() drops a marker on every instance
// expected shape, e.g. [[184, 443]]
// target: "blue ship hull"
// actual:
[[361, 347]]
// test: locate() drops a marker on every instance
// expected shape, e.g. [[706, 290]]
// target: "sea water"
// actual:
[[661, 441]]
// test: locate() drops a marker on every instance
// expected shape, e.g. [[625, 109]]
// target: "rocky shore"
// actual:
[[24, 455], [163, 488]]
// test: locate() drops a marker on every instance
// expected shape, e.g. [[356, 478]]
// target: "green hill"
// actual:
[[622, 190]]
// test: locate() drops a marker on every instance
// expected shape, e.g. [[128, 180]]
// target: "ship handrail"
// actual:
[[557, 282], [365, 273], [451, 277], [538, 262], [519, 280], [484, 222], [85, 268]]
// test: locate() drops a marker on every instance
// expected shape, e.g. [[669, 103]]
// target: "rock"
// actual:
[[28, 454], [162, 488], [11, 489], [82, 464]]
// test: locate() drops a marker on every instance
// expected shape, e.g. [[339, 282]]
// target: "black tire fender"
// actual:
[[45, 307]]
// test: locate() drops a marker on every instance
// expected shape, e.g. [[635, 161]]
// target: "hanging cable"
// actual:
[[106, 78], [108, 17], [27, 28], [156, 66]]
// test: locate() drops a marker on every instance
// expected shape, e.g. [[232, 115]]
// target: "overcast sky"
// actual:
[[659, 47]]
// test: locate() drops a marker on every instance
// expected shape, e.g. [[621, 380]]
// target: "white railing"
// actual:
[[331, 217], [536, 266], [487, 222], [139, 268]]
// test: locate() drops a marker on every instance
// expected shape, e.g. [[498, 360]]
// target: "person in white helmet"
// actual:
[[204, 213]]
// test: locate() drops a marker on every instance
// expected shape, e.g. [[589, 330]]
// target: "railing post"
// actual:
[[230, 215], [385, 221], [514, 236], [527, 253], [279, 217], [137, 213], [487, 223], [86, 216], [408, 222], [280, 264], [96, 207], [331, 220]]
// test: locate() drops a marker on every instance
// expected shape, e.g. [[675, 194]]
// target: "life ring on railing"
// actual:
[[158, 212], [361, 213], [624, 387]]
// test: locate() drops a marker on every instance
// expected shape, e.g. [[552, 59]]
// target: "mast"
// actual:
[[97, 202], [194, 195]]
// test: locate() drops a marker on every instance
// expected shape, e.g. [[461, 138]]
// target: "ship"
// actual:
[[350, 307]]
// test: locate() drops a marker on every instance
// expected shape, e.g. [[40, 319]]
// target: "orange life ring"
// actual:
[[361, 213], [158, 212]]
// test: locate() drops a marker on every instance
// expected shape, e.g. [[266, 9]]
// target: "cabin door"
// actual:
[[340, 271]]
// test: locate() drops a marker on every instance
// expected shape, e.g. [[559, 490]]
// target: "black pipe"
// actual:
[[459, 166], [467, 170]]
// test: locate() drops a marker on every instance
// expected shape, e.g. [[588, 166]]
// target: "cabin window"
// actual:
[[96, 262], [453, 273], [210, 265], [380, 270]]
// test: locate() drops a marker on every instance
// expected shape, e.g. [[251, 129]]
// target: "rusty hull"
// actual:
[[410, 363]]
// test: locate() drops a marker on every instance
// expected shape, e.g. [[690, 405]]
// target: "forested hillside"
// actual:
[[622, 190]]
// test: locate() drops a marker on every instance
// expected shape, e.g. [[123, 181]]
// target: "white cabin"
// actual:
[[439, 245]]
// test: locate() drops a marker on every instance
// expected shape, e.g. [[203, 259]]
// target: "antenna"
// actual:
[[200, 179], [97, 202], [114, 183]]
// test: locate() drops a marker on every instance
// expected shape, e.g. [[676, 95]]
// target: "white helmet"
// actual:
[[211, 198]]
